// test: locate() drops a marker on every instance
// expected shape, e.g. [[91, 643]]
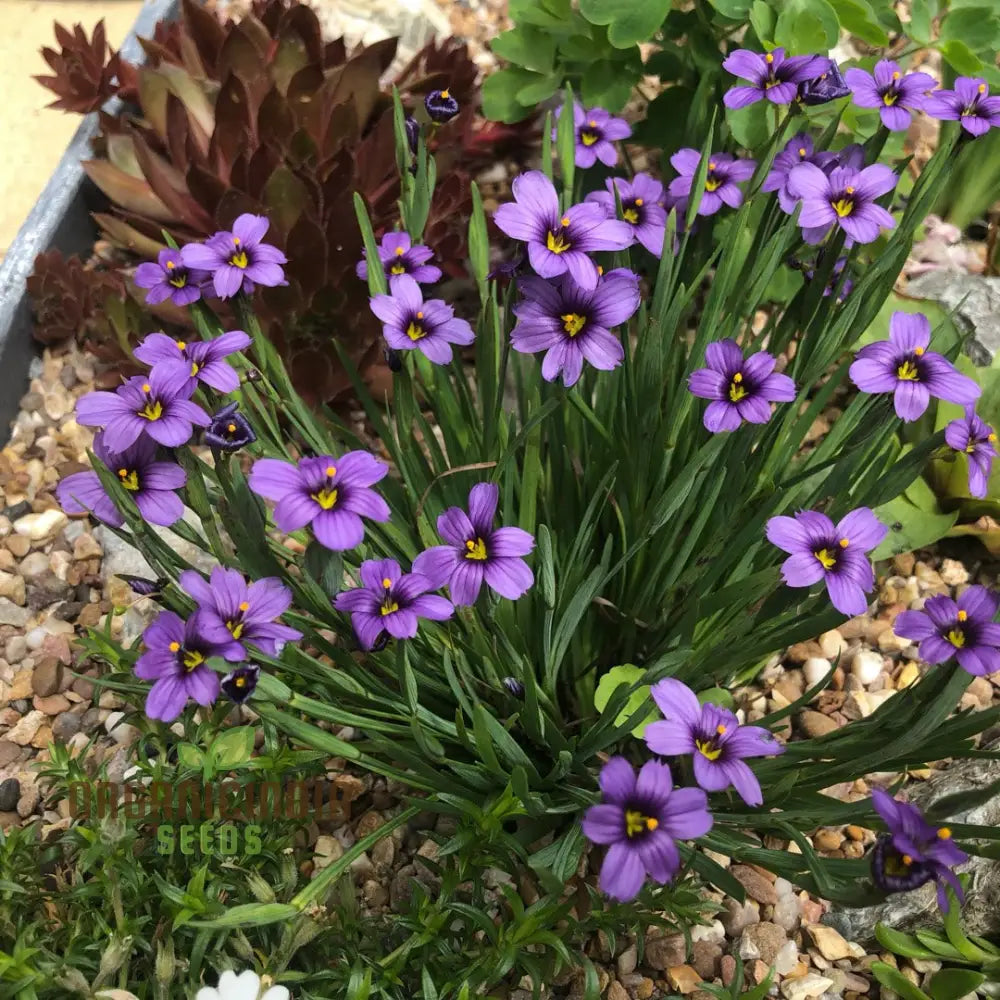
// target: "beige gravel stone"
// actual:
[[830, 943], [38, 527], [24, 732]]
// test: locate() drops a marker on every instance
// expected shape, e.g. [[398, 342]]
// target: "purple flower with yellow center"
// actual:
[[963, 629], [903, 366], [558, 242], [398, 256], [410, 323], [715, 738], [835, 554], [969, 103], [740, 388], [974, 438], [200, 360], [239, 684], [721, 182], [799, 149], [152, 484], [844, 198], [392, 601], [232, 612], [441, 106], [642, 208], [641, 818], [330, 494], [572, 324], [176, 659], [238, 260], [229, 429], [169, 278], [830, 85], [158, 404], [913, 852], [478, 552], [772, 76], [894, 93], [596, 132]]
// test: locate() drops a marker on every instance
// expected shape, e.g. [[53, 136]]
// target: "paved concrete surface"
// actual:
[[34, 137]]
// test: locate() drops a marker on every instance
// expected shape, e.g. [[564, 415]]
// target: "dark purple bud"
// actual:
[[822, 89], [229, 430], [240, 683], [514, 686], [412, 132], [142, 586], [381, 642], [441, 106], [508, 269], [392, 359], [895, 872]]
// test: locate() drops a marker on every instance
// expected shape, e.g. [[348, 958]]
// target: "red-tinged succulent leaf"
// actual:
[[307, 243], [207, 33], [86, 71], [128, 237], [167, 184], [275, 119], [285, 199], [131, 193], [192, 95], [154, 89]]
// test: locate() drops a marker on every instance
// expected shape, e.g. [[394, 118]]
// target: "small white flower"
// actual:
[[246, 986]]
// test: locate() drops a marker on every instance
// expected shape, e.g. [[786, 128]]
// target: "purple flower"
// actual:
[[175, 657], [229, 429], [559, 242], [239, 684], [170, 279], [835, 554], [798, 150], [845, 198], [642, 208], [913, 852], [331, 494], [572, 324], [962, 629], [720, 182], [157, 404], [391, 601], [772, 76], [151, 483], [968, 103], [642, 819], [142, 586], [441, 106], [713, 735], [828, 86], [476, 551], [410, 324], [596, 130], [903, 366], [412, 127], [892, 92], [398, 256], [739, 389], [238, 260], [199, 360], [232, 612], [975, 439]]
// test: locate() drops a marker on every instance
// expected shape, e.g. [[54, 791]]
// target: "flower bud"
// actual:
[[240, 683], [114, 956], [229, 430], [165, 964], [441, 106], [830, 86]]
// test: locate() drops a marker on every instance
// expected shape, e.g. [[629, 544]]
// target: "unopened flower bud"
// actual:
[[165, 964], [113, 957], [441, 106], [262, 892]]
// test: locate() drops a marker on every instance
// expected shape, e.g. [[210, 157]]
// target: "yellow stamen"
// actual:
[[151, 411], [769, 58], [736, 391], [639, 202], [130, 480], [708, 749], [191, 660], [652, 822], [712, 183], [963, 616], [992, 438], [476, 550], [738, 377], [802, 152], [181, 345], [179, 282], [588, 138], [386, 582], [918, 351], [573, 323], [195, 368], [907, 860], [331, 471], [907, 372], [244, 605], [944, 833], [981, 88], [896, 75], [397, 269], [889, 99], [420, 315], [400, 251], [146, 387], [828, 561], [445, 94], [231, 428], [957, 638], [236, 241], [174, 646], [630, 215], [843, 206], [720, 729], [592, 123], [325, 498], [389, 607], [844, 542], [849, 190], [239, 259], [557, 243], [240, 682], [415, 331], [236, 628], [171, 265], [564, 221], [636, 823]]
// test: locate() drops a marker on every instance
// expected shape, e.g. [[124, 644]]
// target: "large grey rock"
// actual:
[[975, 301], [908, 910]]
